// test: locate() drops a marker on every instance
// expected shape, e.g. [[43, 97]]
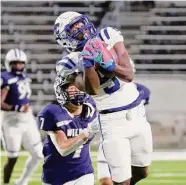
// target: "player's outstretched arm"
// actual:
[[124, 68], [66, 146], [7, 107]]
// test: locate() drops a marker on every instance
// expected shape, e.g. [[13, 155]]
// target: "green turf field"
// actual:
[[161, 172]]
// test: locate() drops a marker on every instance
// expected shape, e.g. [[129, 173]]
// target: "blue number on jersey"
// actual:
[[109, 90], [114, 88]]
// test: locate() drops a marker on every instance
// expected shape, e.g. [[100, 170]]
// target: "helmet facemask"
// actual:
[[75, 41], [14, 69], [64, 96], [75, 97]]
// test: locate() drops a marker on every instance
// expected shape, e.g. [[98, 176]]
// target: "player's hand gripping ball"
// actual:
[[96, 54]]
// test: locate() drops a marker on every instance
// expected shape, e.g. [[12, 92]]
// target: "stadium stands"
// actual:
[[29, 26], [154, 34]]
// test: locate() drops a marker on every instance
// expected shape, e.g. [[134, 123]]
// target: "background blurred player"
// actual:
[[19, 125], [123, 122], [70, 123]]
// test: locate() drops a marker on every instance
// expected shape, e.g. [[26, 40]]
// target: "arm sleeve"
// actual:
[[4, 83], [46, 121], [69, 64], [111, 36]]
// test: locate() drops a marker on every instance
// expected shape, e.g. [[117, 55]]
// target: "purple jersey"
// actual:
[[59, 169], [18, 88]]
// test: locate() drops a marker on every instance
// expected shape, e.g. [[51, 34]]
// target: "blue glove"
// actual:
[[108, 66], [89, 60]]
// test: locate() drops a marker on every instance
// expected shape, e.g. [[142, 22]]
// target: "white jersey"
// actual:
[[69, 64], [113, 92]]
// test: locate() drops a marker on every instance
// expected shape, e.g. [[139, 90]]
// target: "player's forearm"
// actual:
[[124, 69], [70, 145], [18, 108], [69, 142], [92, 83], [67, 146], [124, 73]]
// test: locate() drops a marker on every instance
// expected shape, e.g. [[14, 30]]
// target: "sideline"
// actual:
[[156, 155]]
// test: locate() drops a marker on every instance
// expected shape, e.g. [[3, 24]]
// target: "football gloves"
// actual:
[[92, 129], [95, 51]]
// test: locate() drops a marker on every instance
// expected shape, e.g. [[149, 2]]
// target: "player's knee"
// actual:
[[141, 172], [105, 181], [37, 154], [126, 182], [144, 173], [12, 154]]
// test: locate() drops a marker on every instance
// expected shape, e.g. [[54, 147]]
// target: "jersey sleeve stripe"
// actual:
[[15, 52], [18, 53], [65, 65], [62, 123], [101, 37], [106, 33], [70, 61]]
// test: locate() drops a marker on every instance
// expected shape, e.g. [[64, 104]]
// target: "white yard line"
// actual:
[[162, 170], [35, 175], [156, 156], [146, 181], [165, 174], [30, 179], [169, 155], [168, 174]]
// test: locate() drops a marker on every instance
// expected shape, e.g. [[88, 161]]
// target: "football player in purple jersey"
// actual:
[[70, 123], [19, 126]]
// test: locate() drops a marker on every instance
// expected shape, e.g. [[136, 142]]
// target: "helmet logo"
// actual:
[[56, 29]]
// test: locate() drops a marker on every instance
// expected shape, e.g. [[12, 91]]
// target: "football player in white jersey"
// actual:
[[19, 126], [103, 171], [126, 134]]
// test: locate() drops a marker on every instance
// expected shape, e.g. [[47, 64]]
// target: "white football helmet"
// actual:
[[62, 96], [15, 55], [71, 40]]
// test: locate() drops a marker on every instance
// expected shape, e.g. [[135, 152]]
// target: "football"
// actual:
[[107, 54], [102, 53]]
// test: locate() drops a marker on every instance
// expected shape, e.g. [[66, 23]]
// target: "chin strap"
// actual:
[[79, 98]]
